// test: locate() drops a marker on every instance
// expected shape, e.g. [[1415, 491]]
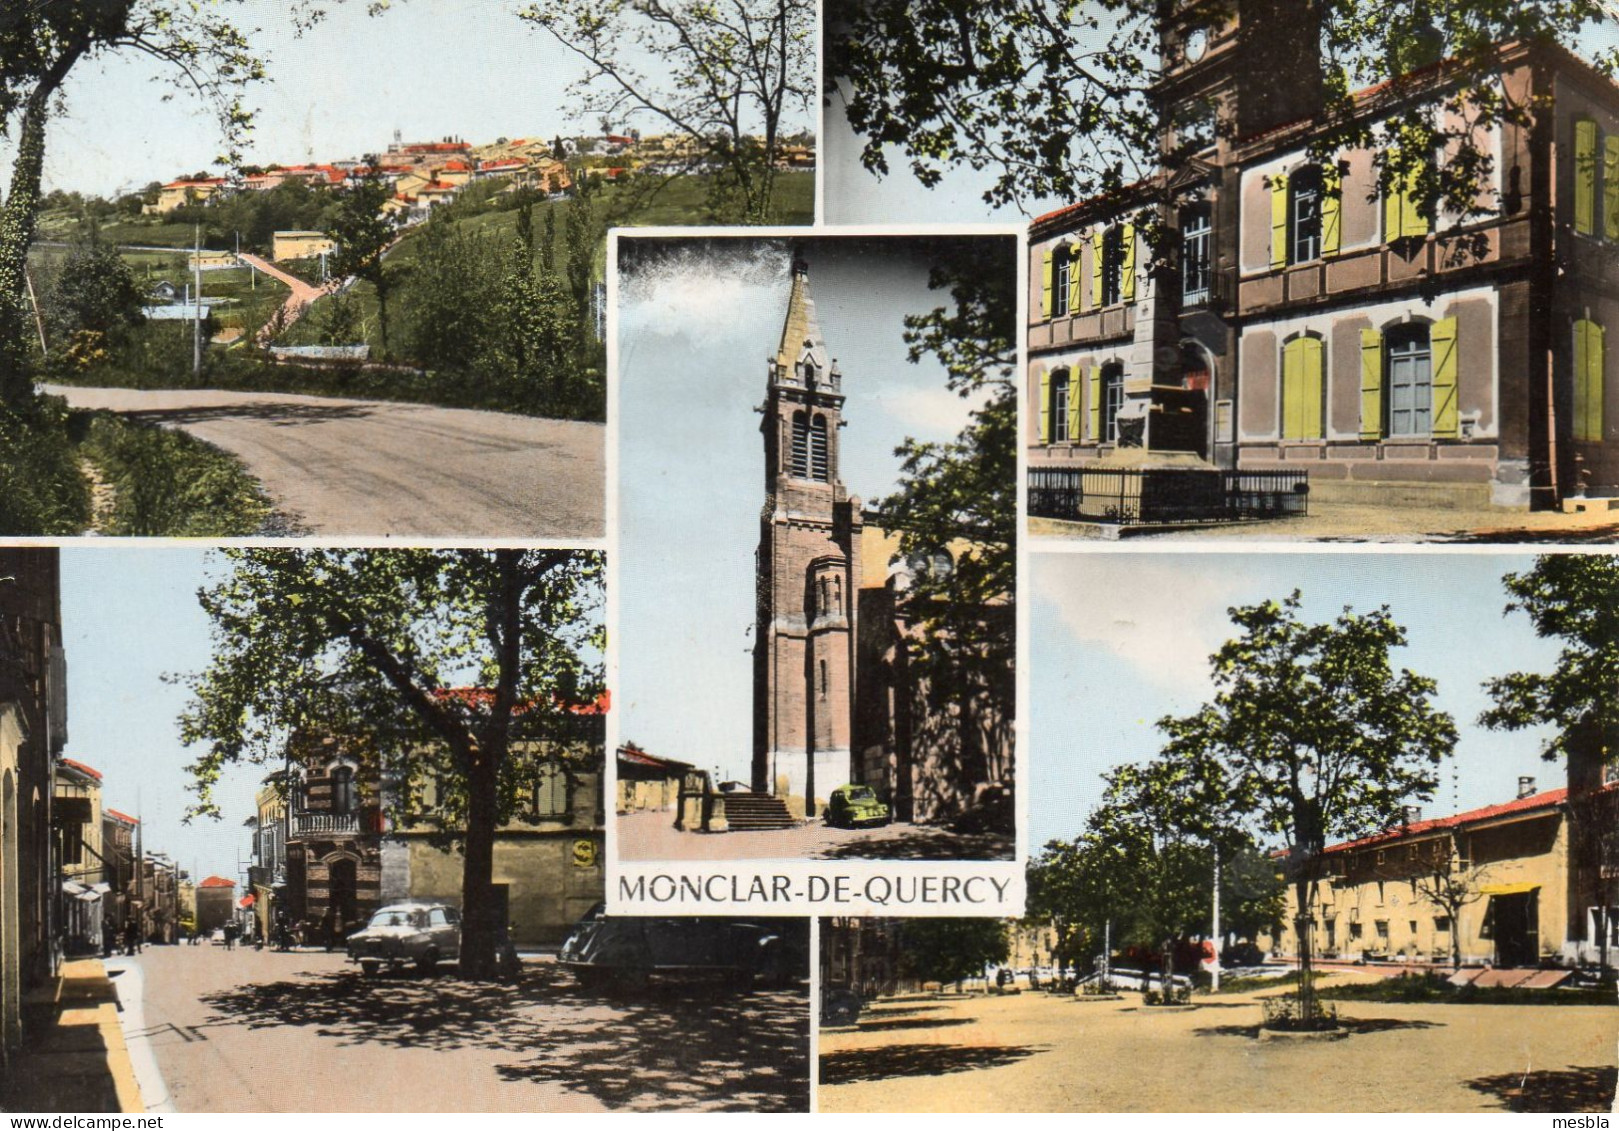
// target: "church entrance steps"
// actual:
[[752, 812]]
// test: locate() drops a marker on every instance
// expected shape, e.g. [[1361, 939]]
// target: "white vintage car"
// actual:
[[407, 934]]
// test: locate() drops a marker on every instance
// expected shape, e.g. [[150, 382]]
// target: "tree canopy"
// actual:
[[1319, 736], [1061, 100], [950, 950], [436, 665], [726, 76], [1573, 598], [957, 499]]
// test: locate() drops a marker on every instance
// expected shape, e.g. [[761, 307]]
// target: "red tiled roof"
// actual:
[[82, 768], [635, 756], [190, 183], [1548, 799], [457, 167], [1083, 204], [117, 816], [217, 882]]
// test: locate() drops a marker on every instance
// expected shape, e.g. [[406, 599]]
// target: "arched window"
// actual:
[[1112, 400], [1304, 215], [1064, 269], [801, 446], [1197, 233], [1410, 381], [551, 791], [817, 449], [343, 799], [1061, 401]]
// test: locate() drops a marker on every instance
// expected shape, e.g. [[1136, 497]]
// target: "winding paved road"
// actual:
[[365, 468]]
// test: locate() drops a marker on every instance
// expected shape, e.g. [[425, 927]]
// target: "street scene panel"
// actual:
[[309, 292], [344, 808], [1319, 819], [850, 695]]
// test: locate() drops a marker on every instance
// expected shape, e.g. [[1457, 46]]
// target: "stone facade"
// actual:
[[1304, 320]]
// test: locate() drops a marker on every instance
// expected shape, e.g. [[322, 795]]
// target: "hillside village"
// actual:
[[425, 175]]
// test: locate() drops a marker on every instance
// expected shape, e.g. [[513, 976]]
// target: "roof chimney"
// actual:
[[1526, 787], [1413, 814]]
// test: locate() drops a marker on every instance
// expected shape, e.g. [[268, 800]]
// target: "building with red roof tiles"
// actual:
[[1530, 881], [1305, 321], [177, 194], [216, 903]]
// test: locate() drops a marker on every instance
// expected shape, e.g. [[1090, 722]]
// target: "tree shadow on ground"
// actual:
[[911, 842], [851, 1066], [666, 1046], [272, 412], [899, 1010], [1577, 535], [1570, 1090], [1348, 1026], [882, 1026]]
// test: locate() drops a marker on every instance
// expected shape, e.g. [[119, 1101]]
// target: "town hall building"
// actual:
[[1298, 318]]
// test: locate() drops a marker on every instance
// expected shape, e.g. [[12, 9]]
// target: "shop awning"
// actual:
[[245, 901], [1507, 889]]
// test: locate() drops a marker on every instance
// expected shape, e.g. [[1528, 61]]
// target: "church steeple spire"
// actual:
[[801, 357]]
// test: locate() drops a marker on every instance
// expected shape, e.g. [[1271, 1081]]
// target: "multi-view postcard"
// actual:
[[849, 556]]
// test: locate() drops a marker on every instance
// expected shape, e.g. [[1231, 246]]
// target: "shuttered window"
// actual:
[[1402, 218], [817, 450], [1059, 407], [1044, 404], [1585, 176], [1590, 355], [1304, 215], [1196, 233], [1112, 400], [550, 791], [1302, 389], [1410, 382], [1062, 274], [800, 465], [1093, 398]]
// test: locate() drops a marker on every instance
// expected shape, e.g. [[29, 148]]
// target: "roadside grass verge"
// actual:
[[165, 483], [42, 491]]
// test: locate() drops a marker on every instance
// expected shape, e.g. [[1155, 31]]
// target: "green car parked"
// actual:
[[855, 806]]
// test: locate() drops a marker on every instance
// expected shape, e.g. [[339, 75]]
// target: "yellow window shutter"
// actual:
[[1393, 208], [1093, 395], [1127, 272], [1588, 380], [1595, 372], [1585, 176], [1412, 221], [1610, 188], [1371, 385], [1045, 408], [1096, 268], [1074, 410], [1292, 371], [1045, 284], [1442, 348], [1278, 221], [1313, 383], [1332, 211], [1075, 275]]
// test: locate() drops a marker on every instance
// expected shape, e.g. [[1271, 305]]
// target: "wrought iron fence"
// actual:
[[1148, 496]]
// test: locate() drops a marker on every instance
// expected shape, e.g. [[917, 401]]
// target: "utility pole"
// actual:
[[1215, 971], [196, 322]]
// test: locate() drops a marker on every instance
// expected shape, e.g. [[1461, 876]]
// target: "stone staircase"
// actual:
[[753, 812]]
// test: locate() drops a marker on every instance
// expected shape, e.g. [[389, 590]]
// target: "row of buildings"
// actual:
[[1298, 314], [330, 845]]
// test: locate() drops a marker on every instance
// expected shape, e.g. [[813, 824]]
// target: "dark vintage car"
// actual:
[[855, 806], [840, 1006], [628, 951], [407, 934]]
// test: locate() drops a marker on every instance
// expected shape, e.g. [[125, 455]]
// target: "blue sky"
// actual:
[[694, 338], [1119, 640], [130, 616], [429, 68]]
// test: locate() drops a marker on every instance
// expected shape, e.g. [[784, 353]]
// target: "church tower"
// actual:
[[808, 567]]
